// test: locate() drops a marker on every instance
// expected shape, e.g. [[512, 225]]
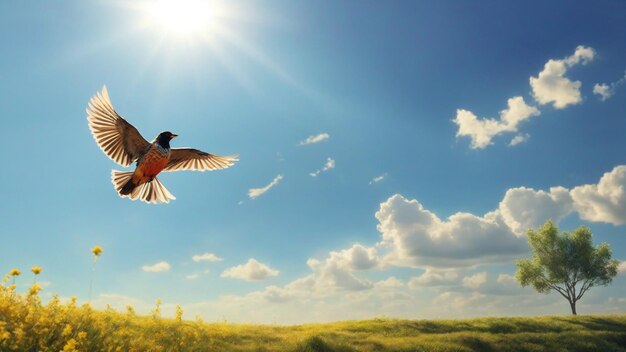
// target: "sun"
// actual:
[[183, 17]]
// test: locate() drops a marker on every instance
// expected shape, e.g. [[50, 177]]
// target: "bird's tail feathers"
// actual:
[[150, 192]]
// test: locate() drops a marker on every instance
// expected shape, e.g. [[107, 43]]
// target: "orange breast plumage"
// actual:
[[153, 162]]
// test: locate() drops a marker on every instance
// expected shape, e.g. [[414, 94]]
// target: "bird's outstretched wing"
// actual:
[[117, 138], [197, 160]]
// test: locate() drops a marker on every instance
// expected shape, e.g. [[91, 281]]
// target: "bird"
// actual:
[[123, 144]]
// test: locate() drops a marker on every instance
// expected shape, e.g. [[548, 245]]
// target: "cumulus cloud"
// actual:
[[391, 282], [605, 91], [357, 257], [482, 130], [315, 139], [523, 208], [621, 268], [551, 85], [605, 201], [475, 281], [435, 277], [455, 300], [378, 179], [417, 237], [336, 272], [192, 276], [505, 279], [157, 268], [414, 236], [519, 139], [256, 192], [205, 257], [253, 270], [330, 164]]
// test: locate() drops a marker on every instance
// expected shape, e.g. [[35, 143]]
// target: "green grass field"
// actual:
[[28, 325]]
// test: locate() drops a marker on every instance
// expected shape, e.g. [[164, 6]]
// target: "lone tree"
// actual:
[[567, 263]]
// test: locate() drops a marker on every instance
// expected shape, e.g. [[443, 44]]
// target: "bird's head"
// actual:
[[164, 138]]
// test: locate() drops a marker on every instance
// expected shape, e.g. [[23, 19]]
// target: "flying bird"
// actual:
[[123, 143]]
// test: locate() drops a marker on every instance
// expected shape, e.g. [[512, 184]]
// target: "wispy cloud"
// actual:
[[196, 275], [157, 268], [256, 192], [520, 138], [605, 91], [253, 270], [315, 139], [206, 257], [330, 164], [378, 179]]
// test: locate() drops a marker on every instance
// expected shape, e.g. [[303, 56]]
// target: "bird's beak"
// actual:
[[174, 136]]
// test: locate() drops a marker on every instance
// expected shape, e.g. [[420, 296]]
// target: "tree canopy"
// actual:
[[567, 263]]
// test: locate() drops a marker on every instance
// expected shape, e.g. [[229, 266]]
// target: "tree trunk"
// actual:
[[573, 305]]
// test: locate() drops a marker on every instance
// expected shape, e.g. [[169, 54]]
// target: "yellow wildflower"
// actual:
[[15, 272], [34, 289], [96, 250], [67, 330], [36, 270], [179, 313], [70, 346]]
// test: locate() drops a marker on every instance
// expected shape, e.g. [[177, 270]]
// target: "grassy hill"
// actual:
[[28, 325]]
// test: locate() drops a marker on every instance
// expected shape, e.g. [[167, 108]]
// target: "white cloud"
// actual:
[[519, 139], [253, 270], [475, 281], [192, 276], [315, 139], [335, 273], [621, 268], [357, 257], [551, 85], [435, 277], [505, 279], [330, 164], [456, 301], [605, 201], [605, 91], [414, 236], [523, 208], [378, 179], [391, 282], [417, 237], [208, 257], [482, 131], [256, 192], [157, 268]]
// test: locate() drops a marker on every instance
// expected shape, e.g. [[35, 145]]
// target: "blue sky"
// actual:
[[400, 90]]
